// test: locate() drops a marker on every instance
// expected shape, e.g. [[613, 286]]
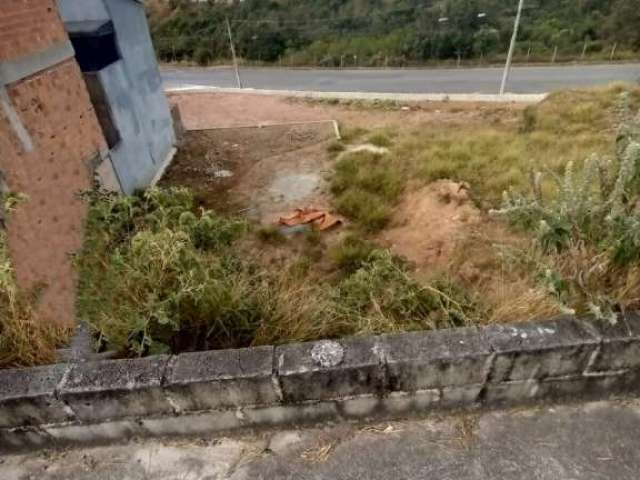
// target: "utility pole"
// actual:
[[233, 54], [512, 47]]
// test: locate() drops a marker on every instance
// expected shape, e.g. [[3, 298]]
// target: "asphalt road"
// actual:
[[465, 80]]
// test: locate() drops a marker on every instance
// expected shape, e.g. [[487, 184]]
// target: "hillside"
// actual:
[[392, 32]]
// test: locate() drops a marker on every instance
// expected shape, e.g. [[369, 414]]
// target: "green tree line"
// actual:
[[392, 32]]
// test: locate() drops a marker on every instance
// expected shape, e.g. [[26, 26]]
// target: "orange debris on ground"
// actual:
[[319, 219]]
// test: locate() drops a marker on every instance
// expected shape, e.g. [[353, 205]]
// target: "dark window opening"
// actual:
[[102, 108], [94, 44]]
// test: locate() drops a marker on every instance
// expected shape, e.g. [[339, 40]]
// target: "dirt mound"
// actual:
[[430, 220]]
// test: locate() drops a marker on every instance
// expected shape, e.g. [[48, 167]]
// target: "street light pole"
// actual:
[[512, 47], [233, 54]]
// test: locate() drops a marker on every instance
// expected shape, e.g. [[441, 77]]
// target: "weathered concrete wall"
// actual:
[[49, 140], [131, 158], [370, 377], [134, 40], [134, 88], [83, 10]]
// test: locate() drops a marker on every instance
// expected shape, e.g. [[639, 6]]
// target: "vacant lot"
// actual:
[[451, 215]]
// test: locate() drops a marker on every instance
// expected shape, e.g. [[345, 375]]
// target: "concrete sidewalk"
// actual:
[[582, 442], [394, 97]]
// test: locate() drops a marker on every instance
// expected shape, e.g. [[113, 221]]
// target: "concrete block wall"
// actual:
[[564, 359], [50, 141]]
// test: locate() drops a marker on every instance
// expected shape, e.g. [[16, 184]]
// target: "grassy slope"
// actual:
[[568, 127]]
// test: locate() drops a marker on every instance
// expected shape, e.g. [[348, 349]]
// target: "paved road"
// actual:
[[476, 80], [594, 441]]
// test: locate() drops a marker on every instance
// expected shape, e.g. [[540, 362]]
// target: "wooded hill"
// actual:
[[393, 32]]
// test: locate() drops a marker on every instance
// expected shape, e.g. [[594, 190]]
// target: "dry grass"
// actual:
[[496, 156], [568, 126], [482, 263], [23, 340]]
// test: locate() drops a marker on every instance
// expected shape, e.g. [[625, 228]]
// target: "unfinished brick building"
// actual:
[[50, 145]]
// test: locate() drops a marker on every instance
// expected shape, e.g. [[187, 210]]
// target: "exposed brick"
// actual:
[[28, 26], [47, 228]]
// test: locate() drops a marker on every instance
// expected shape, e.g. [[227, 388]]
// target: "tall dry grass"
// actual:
[[24, 341]]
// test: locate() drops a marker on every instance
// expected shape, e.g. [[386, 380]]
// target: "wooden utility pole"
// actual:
[[233, 54], [512, 47]]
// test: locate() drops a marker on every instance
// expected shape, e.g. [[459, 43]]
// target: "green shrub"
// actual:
[[589, 229], [152, 269], [352, 253], [368, 209], [202, 56], [382, 291], [380, 140], [271, 235], [155, 276], [366, 187]]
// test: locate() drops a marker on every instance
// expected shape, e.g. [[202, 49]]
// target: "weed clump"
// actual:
[[380, 140], [588, 232], [271, 235], [385, 298], [154, 269], [24, 341], [352, 253], [367, 186], [157, 276]]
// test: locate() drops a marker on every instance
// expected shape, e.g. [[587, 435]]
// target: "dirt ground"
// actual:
[[266, 172], [262, 173], [211, 110], [430, 221], [215, 110]]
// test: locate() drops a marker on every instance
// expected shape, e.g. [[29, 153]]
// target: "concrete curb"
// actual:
[[399, 97], [353, 378]]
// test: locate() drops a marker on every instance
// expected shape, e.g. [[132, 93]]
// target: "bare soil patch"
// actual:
[[214, 110], [430, 221], [261, 172], [266, 172]]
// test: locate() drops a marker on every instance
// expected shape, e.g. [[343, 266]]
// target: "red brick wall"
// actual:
[[55, 109], [28, 26]]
